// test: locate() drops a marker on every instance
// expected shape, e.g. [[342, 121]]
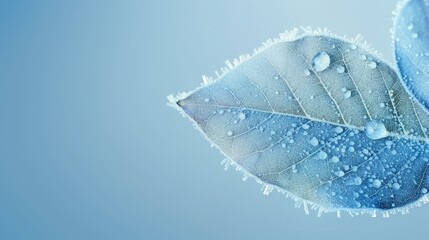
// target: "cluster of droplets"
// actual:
[[340, 148]]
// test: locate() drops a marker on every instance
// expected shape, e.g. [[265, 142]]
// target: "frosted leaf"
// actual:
[[411, 50], [325, 138]]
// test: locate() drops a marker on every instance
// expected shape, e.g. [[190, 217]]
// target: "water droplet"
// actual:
[[335, 159], [305, 126], [353, 46], [229, 133], [242, 116], [410, 26], [382, 105], [396, 186], [376, 183], [339, 173], [358, 181], [375, 129], [340, 69], [276, 77], [220, 111], [206, 99], [347, 94], [323, 155], [338, 130], [277, 92], [389, 144], [321, 61], [314, 141], [362, 57], [283, 145], [371, 65], [307, 72], [415, 35], [424, 190], [273, 132]]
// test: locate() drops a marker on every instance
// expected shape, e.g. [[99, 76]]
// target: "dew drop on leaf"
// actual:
[[375, 129], [372, 65], [347, 94], [314, 141], [340, 69], [358, 181], [307, 72], [242, 116], [323, 155], [396, 186], [321, 61], [338, 130], [376, 183]]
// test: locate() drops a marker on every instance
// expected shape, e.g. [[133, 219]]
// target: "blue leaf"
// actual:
[[411, 42], [320, 119]]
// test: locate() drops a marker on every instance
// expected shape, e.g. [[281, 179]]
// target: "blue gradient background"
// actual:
[[89, 149]]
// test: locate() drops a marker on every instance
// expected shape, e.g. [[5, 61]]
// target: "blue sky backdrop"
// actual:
[[89, 149]]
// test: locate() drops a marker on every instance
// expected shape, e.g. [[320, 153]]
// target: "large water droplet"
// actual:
[[410, 26], [375, 129], [321, 61]]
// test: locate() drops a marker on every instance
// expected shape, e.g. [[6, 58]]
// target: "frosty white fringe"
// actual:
[[287, 36]]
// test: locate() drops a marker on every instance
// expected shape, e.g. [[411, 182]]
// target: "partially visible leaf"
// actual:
[[321, 119], [411, 42]]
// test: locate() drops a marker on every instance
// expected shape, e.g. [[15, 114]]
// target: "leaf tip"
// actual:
[[176, 102]]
